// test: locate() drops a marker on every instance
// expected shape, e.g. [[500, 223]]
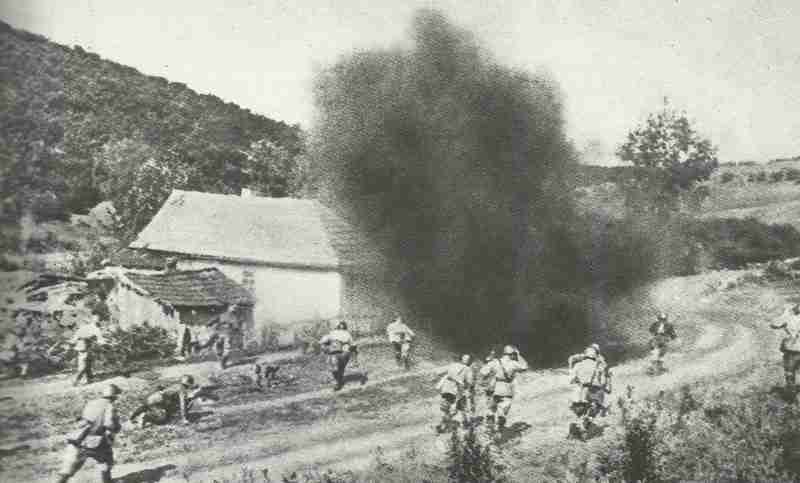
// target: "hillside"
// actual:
[[61, 107]]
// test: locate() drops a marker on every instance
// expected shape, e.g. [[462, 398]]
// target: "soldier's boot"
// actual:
[[105, 476], [62, 478]]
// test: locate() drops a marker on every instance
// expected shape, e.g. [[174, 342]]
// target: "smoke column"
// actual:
[[459, 165]]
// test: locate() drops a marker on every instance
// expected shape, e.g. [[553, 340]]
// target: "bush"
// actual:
[[776, 176], [471, 462], [711, 436], [124, 348], [310, 334], [727, 177]]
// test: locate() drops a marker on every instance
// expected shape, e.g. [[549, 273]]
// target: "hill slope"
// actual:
[[59, 106]]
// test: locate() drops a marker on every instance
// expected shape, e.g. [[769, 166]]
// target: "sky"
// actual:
[[734, 67]]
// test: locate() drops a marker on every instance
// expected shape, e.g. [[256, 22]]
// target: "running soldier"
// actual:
[[94, 438], [400, 336], [338, 345], [163, 405], [662, 333], [454, 388], [789, 323], [487, 381], [84, 341], [504, 371], [589, 373]]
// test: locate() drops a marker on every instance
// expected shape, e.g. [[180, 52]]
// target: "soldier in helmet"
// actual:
[[163, 405], [662, 333], [503, 372], [338, 345], [789, 323], [94, 438], [589, 373], [455, 388]]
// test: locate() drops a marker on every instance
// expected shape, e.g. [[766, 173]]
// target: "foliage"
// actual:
[[670, 157], [47, 169], [471, 462], [124, 348]]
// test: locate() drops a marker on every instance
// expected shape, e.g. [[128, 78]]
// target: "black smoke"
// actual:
[[461, 166]]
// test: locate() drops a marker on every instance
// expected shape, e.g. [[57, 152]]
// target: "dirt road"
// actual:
[[728, 338]]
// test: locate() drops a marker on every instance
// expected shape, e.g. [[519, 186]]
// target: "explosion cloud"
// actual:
[[461, 165]]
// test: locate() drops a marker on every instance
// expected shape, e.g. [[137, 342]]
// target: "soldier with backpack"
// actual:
[[164, 404], [455, 388], [662, 333], [503, 372], [338, 345], [589, 373], [789, 323], [94, 439]]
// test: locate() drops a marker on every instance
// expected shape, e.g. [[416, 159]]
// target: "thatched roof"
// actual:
[[282, 232], [190, 288]]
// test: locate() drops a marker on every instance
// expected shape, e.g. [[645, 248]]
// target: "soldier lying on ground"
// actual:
[[163, 405]]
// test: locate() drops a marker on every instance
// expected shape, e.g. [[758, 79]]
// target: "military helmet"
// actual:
[[508, 350], [342, 325], [595, 347], [662, 317], [187, 380], [112, 390], [466, 359]]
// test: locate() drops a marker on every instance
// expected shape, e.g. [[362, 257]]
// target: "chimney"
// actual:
[[171, 265]]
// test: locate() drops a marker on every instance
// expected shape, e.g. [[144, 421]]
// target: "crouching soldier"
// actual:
[[503, 371], [163, 405], [589, 373], [789, 323], [338, 345], [94, 439], [455, 388]]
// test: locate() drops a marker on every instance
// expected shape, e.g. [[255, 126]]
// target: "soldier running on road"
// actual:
[[503, 371], [662, 334], [84, 342], [589, 374], [163, 405], [94, 439], [338, 345], [455, 387], [789, 322], [400, 336]]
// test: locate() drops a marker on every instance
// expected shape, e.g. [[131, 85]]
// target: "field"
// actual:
[[305, 425]]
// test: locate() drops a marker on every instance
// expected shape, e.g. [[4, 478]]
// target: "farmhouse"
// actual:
[[300, 260], [166, 299]]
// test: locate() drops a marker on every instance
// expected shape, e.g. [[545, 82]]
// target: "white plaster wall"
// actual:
[[284, 296], [130, 308]]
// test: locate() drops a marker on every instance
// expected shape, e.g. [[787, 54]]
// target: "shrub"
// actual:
[[471, 462], [776, 176], [711, 436], [310, 334], [727, 177], [124, 348]]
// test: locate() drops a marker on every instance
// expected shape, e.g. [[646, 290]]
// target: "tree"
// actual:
[[671, 159], [148, 187]]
